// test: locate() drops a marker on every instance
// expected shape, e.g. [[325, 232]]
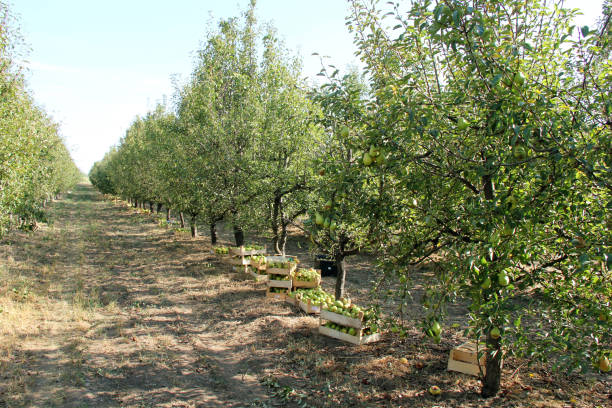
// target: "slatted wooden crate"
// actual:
[[346, 321], [279, 283], [291, 300], [240, 251], [304, 284], [241, 261], [342, 319], [258, 265], [307, 306], [276, 296], [281, 271], [464, 359], [258, 277], [358, 340]]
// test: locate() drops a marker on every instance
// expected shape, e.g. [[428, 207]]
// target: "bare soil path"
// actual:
[[104, 307]]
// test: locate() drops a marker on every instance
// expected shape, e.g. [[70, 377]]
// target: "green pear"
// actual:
[[436, 329], [374, 151], [344, 131], [462, 124], [495, 333], [604, 364], [503, 279], [519, 79]]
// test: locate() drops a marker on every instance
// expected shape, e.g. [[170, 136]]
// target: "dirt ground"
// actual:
[[106, 307]]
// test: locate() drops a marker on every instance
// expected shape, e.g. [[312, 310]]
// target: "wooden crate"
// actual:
[[308, 307], [256, 276], [358, 340], [282, 258], [464, 359], [281, 271], [240, 251], [342, 320], [279, 283], [258, 265], [307, 285], [276, 296], [238, 260]]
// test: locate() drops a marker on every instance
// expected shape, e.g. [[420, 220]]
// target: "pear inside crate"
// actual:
[[281, 265], [347, 322]]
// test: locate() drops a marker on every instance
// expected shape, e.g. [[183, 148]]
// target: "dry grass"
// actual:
[[106, 307]]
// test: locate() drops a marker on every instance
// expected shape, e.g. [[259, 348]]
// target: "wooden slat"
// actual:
[[239, 261], [464, 359], [279, 283], [308, 307], [242, 252], [281, 271], [341, 319], [303, 284], [275, 296], [329, 332], [256, 276]]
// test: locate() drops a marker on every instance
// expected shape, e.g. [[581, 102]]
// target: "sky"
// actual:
[[94, 66]]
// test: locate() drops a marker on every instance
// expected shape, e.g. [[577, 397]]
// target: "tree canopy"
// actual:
[[35, 164]]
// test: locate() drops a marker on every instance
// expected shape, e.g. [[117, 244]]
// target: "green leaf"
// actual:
[[585, 31]]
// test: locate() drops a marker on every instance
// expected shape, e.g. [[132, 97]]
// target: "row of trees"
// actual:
[[476, 145], [239, 146], [35, 164]]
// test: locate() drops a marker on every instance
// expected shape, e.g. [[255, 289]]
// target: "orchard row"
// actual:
[[34, 162], [474, 146]]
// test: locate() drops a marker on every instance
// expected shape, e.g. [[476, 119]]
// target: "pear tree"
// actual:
[[497, 125]]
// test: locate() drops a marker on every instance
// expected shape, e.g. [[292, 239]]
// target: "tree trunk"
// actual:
[[182, 218], [159, 207], [275, 227], [492, 379], [135, 203], [151, 206], [283, 238], [213, 233], [194, 227], [168, 215], [238, 236], [341, 278]]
